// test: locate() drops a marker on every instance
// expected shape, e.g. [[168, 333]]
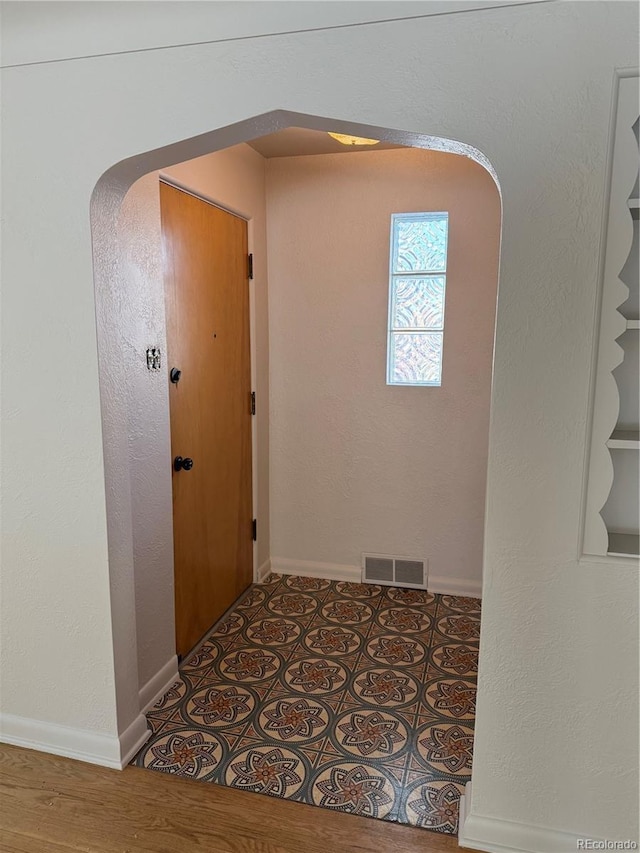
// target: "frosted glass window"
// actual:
[[420, 243], [418, 278]]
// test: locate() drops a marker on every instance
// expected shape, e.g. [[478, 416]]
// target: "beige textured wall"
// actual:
[[357, 465]]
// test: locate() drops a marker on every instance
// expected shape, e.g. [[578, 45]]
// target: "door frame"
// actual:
[[177, 185]]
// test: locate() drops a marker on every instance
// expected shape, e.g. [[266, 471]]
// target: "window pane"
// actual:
[[420, 244], [417, 303], [416, 358]]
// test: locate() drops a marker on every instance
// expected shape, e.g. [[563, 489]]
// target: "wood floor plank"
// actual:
[[10, 842], [49, 803]]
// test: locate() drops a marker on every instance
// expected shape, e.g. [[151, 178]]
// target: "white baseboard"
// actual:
[[306, 569], [465, 801], [132, 739], [263, 571], [158, 685], [83, 745], [79, 744], [505, 836], [454, 586]]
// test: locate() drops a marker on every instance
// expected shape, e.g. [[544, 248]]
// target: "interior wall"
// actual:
[[356, 464], [556, 746], [234, 178], [146, 401]]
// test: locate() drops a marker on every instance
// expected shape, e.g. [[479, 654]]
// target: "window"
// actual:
[[416, 298]]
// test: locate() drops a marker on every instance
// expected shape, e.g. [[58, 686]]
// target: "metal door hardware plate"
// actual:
[[153, 358]]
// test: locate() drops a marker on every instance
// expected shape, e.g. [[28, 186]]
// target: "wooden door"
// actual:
[[207, 303]]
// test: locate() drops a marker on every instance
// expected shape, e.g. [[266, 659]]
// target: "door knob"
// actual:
[[175, 375], [185, 464]]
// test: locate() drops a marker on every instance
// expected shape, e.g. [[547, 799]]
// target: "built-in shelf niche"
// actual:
[[624, 439], [612, 507], [620, 512], [623, 545], [626, 376], [630, 308]]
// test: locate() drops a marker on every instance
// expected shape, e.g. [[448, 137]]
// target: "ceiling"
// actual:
[[299, 141]]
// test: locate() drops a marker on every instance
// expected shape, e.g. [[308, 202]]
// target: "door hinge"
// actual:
[[254, 529], [253, 402], [250, 264]]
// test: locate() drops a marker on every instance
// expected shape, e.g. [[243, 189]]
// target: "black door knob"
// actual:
[[180, 464], [175, 375]]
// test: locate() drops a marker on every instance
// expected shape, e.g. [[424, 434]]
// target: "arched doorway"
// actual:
[[118, 297]]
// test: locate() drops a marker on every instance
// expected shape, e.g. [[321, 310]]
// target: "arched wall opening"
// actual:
[[135, 412]]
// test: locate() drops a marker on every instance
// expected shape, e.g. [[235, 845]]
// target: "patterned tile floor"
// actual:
[[353, 697]]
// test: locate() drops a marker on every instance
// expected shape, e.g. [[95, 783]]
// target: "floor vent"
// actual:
[[394, 571]]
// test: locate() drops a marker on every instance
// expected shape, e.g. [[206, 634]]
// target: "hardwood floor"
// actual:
[[55, 805]]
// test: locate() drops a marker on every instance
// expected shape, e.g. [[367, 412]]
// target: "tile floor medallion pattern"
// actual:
[[348, 696]]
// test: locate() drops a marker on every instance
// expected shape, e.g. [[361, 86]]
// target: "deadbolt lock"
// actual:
[[180, 464]]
